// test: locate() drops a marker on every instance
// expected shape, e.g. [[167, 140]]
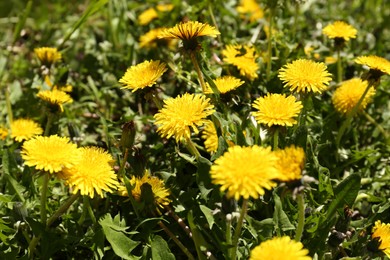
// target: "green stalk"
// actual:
[[121, 171], [229, 229], [237, 232], [374, 122], [296, 14], [214, 21], [157, 101], [9, 106], [87, 206], [269, 47], [45, 184], [50, 119], [195, 62], [339, 67], [276, 139], [301, 216], [192, 148], [61, 210]]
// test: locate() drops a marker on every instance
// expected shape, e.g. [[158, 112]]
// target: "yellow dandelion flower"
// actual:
[[379, 64], [330, 60], [150, 38], [305, 76], [244, 58], [91, 173], [24, 129], [160, 193], [48, 55], [245, 171], [277, 109], [49, 153], [164, 7], [181, 114], [3, 133], [143, 75], [55, 97], [209, 134], [225, 84], [147, 16], [340, 29], [251, 8], [346, 97], [280, 248], [291, 163], [382, 233]]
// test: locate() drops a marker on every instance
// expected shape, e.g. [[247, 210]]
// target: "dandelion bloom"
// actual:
[[245, 171], [55, 97], [346, 97], [24, 129], [209, 134], [251, 8], [381, 232], [277, 109], [49, 153], [280, 248], [181, 114], [164, 7], [305, 76], [375, 63], [3, 133], [160, 193], [340, 29], [244, 58], [291, 163], [147, 16], [143, 75], [91, 173], [48, 55], [150, 38], [225, 84]]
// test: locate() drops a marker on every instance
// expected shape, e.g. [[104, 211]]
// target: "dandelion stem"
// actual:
[[156, 100], [229, 229], [301, 216], [177, 241], [121, 171], [61, 210], [339, 67], [296, 15], [269, 47], [214, 21], [276, 139], [50, 118], [237, 232], [45, 184], [88, 207], [347, 122], [374, 122], [8, 104], [194, 60], [192, 148]]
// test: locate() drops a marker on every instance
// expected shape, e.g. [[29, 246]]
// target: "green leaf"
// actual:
[[208, 213], [15, 186], [280, 217], [160, 249], [200, 242], [114, 230]]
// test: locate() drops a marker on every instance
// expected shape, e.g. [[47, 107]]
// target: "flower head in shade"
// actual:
[[250, 8], [225, 84], [244, 58], [181, 114], [378, 66], [277, 109], [381, 232], [280, 248], [209, 134], [340, 29], [24, 129], [147, 16], [48, 55], [188, 32], [91, 173], [55, 98], [143, 75], [245, 171], [3, 133], [49, 153], [305, 76], [291, 163], [157, 187], [346, 97]]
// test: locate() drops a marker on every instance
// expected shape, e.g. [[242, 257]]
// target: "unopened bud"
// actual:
[[128, 135]]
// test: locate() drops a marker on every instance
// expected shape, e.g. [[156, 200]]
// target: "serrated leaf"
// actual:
[[208, 213], [280, 217], [160, 249]]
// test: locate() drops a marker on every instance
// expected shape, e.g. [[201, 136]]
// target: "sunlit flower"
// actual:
[[245, 171], [225, 84], [143, 75], [164, 7], [244, 58], [147, 16], [49, 153], [330, 60], [160, 193], [378, 66], [55, 97], [3, 133], [91, 173], [381, 232], [209, 134], [48, 55], [66, 88], [305, 76], [24, 129], [181, 114], [291, 163], [346, 97], [251, 8], [277, 109], [280, 248], [150, 38], [340, 29]]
